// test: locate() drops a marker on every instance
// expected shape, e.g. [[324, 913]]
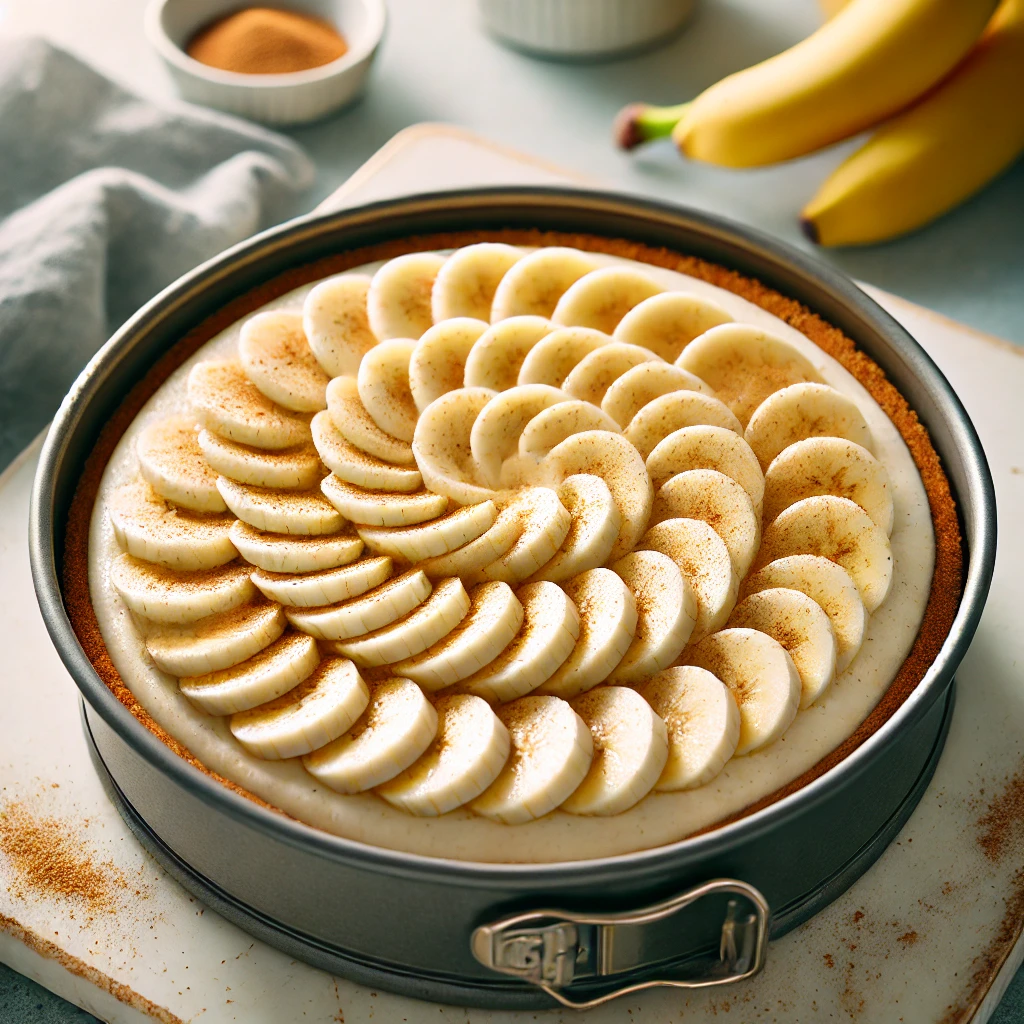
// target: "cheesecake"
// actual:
[[514, 549]]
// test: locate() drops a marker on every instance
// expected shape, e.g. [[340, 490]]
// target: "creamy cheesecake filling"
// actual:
[[659, 817]]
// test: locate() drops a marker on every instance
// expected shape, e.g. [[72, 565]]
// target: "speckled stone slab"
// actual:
[[928, 936]]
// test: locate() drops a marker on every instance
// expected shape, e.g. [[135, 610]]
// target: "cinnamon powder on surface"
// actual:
[[999, 835], [947, 579], [264, 41], [46, 856]]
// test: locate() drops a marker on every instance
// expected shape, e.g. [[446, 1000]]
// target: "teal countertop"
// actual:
[[437, 65]]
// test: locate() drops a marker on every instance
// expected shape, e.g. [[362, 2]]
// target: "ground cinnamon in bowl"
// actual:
[[265, 41]]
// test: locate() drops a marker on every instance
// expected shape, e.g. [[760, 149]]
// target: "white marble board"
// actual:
[[929, 936]]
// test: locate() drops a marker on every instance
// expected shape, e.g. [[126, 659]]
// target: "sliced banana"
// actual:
[[643, 384], [704, 447], [665, 415], [443, 446], [384, 388], [497, 429], [147, 527], [495, 616], [829, 465], [381, 508], [551, 754], [437, 537], [830, 586], [372, 610], [804, 410], [225, 401], [608, 619], [294, 469], [216, 642], [762, 677], [313, 714], [336, 323], [595, 373], [611, 457], [469, 750], [802, 627], [303, 513], [702, 721], [550, 628], [554, 424], [543, 526], [446, 607], [668, 322], [313, 589], [398, 301], [839, 530], [745, 365], [521, 471], [533, 286], [354, 466], [166, 595], [277, 358], [466, 284], [471, 559], [398, 725], [552, 359], [358, 428], [603, 297], [594, 524], [495, 360], [704, 560], [666, 614], [630, 751], [277, 552], [265, 676], [173, 464], [720, 502], [438, 362]]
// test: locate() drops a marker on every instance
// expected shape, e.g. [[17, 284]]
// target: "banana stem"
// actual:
[[641, 122]]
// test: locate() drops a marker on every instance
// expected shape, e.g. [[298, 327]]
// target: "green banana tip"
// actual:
[[641, 122]]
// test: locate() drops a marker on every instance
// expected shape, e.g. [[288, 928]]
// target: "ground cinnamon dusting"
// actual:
[[79, 968], [946, 588], [1001, 827], [49, 857], [264, 41], [1000, 833]]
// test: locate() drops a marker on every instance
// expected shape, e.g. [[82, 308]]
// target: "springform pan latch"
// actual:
[[553, 948]]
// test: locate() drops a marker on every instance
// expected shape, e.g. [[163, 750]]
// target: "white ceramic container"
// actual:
[[293, 98], [583, 29]]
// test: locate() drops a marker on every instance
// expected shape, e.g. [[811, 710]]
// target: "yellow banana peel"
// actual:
[[866, 63], [937, 153], [830, 8]]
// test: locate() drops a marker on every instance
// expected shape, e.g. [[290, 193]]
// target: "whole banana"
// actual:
[[866, 63], [937, 153]]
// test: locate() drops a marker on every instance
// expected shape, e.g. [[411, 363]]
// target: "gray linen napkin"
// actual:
[[105, 198]]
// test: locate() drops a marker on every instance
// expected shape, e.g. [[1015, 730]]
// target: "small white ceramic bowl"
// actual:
[[583, 29], [273, 99]]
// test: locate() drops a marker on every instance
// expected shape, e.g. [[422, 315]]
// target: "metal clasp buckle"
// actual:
[[552, 948]]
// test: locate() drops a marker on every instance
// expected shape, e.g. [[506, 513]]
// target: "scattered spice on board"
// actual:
[[1001, 827], [264, 41], [47, 856]]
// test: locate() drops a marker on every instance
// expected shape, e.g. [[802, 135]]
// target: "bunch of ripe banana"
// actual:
[[944, 79]]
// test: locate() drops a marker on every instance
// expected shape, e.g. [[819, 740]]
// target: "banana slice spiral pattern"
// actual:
[[466, 534]]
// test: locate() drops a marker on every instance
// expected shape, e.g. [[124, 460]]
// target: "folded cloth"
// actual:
[[105, 198]]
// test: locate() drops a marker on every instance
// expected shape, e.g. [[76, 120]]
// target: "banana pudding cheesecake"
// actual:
[[513, 547]]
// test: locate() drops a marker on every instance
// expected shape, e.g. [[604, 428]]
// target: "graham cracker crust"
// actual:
[[947, 580]]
